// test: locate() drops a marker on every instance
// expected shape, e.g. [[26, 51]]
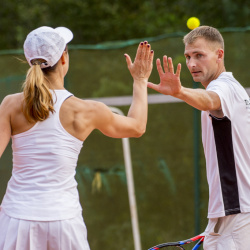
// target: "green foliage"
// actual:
[[94, 21], [112, 88]]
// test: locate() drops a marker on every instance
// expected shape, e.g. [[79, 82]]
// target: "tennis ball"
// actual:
[[193, 22]]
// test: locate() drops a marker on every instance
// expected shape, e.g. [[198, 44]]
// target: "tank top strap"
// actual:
[[59, 96]]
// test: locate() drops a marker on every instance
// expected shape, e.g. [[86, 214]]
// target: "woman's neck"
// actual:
[[55, 81]]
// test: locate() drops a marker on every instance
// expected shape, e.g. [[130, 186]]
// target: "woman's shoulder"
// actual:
[[84, 108], [83, 104], [12, 100], [13, 97]]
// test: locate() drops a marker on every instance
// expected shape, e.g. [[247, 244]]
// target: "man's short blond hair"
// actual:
[[207, 32]]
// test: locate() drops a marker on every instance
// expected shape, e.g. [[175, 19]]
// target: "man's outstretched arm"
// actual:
[[170, 84]]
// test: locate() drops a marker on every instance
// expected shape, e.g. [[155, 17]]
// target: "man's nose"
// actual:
[[191, 63]]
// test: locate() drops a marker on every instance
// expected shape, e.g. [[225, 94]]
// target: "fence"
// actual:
[[164, 159]]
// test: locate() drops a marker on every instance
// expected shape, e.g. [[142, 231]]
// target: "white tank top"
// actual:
[[43, 185]]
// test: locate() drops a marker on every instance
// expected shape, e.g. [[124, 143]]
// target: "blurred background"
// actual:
[[168, 161]]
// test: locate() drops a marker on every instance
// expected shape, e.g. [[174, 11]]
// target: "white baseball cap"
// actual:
[[46, 43]]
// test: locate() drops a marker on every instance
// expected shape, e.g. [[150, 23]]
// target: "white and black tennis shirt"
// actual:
[[226, 142]]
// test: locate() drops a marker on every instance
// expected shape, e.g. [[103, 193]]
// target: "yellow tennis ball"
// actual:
[[193, 22]]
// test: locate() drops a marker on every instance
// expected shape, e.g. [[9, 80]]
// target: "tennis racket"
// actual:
[[197, 241]]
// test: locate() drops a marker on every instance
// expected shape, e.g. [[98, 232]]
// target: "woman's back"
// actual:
[[44, 162]]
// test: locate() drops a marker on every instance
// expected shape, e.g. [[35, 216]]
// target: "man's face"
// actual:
[[202, 61]]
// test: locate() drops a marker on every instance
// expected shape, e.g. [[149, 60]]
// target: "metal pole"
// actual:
[[130, 186]]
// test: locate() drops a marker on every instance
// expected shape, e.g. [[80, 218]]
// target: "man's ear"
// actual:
[[220, 54]]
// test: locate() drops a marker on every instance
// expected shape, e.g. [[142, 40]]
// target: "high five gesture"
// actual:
[[143, 63], [169, 81]]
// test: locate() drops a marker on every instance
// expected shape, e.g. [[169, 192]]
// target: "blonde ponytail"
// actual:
[[38, 101]]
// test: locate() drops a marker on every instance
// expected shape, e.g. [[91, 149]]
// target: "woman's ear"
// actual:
[[63, 59]]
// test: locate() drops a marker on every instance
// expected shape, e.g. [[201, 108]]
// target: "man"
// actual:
[[225, 119]]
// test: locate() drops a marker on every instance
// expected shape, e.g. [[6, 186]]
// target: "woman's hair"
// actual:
[[207, 32], [38, 101]]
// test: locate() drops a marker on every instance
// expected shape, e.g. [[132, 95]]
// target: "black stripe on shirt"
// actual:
[[227, 170]]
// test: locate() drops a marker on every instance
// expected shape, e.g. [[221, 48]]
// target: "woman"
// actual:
[[48, 125]]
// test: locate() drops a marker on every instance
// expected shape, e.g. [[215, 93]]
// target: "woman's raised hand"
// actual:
[[142, 66]]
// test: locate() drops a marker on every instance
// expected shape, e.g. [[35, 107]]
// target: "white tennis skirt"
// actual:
[[16, 234]]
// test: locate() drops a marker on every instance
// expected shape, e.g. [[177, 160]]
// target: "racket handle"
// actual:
[[198, 244]]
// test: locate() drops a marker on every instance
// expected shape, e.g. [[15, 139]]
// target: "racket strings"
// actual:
[[189, 244], [185, 247], [172, 248]]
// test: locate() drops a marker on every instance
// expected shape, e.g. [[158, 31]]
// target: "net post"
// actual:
[[130, 186]]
